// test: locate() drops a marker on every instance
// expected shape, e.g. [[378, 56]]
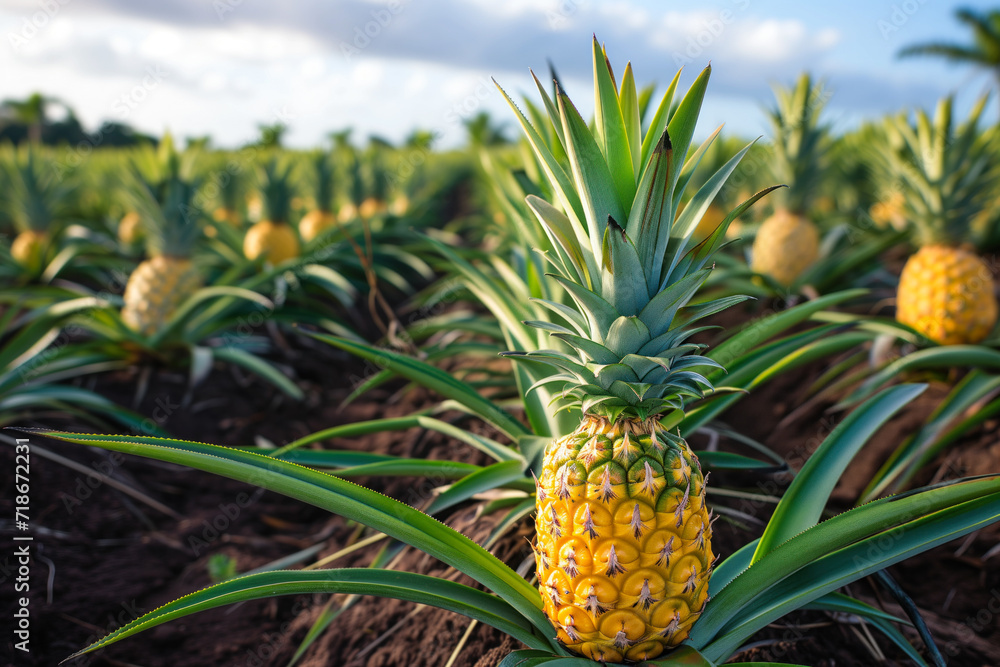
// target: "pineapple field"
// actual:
[[606, 387]]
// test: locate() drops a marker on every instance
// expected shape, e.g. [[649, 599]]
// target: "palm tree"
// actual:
[[482, 131], [984, 51], [32, 112], [271, 135]]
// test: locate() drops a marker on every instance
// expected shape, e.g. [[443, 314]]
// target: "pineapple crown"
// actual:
[[230, 190], [619, 250], [947, 174], [276, 189], [799, 141], [320, 177], [168, 214], [38, 196], [376, 174]]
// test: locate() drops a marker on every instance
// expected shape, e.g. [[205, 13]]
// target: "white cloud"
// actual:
[[428, 64]]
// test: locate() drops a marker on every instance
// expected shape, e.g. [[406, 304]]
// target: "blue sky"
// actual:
[[220, 67]]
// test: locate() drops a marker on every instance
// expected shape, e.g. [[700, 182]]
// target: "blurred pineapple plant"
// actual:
[[788, 242], [321, 217], [946, 174], [273, 239], [37, 200], [168, 277]]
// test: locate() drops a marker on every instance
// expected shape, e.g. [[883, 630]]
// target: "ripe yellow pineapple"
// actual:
[[786, 245], [623, 547], [320, 218], [164, 281], [946, 291], [273, 239], [29, 247], [130, 229], [788, 242]]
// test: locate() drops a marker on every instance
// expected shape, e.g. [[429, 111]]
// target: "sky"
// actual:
[[223, 67]]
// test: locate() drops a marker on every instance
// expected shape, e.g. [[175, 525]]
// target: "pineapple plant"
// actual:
[[273, 238], [947, 175], [161, 283], [374, 174], [230, 191], [36, 202], [787, 242], [624, 537], [320, 218]]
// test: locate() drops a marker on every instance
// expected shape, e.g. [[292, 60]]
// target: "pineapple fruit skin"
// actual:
[[786, 245], [156, 288], [623, 548], [314, 223], [28, 248], [947, 294], [276, 242]]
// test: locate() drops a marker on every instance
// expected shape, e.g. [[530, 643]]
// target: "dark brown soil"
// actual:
[[113, 557]]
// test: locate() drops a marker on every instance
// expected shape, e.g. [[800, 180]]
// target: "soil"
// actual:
[[104, 557]]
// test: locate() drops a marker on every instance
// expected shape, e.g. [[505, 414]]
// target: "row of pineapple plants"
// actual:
[[623, 548], [185, 285]]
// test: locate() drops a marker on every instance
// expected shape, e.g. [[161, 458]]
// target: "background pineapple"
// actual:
[[787, 243], [273, 238], [37, 199], [623, 548], [946, 175], [321, 217], [172, 227]]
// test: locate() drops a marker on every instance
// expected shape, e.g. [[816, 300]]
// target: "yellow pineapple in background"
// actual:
[[788, 242], [130, 228], [172, 226], [623, 547], [946, 291], [321, 217], [888, 212], [273, 239]]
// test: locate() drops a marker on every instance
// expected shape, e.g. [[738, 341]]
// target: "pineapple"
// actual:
[[787, 243], [321, 218], [946, 291], [623, 534], [888, 212], [130, 229], [164, 281], [273, 238], [37, 199]]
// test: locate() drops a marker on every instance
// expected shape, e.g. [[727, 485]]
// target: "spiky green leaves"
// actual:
[[161, 188], [799, 141], [39, 195], [947, 174], [624, 259], [276, 189]]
